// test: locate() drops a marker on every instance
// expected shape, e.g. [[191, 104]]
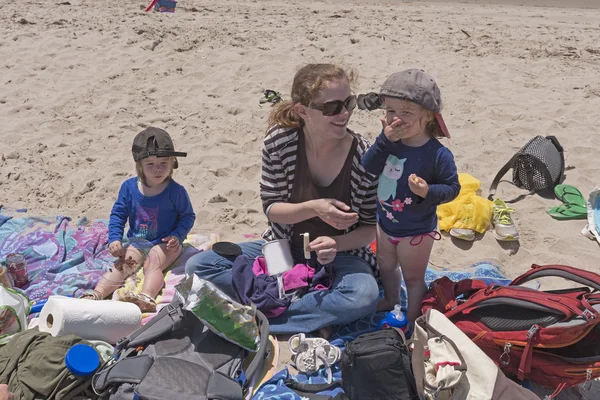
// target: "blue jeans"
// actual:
[[353, 295]]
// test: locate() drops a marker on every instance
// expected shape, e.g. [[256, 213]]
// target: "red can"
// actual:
[[16, 265]]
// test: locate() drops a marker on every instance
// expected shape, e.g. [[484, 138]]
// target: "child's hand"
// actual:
[[116, 249], [418, 186], [172, 242], [393, 131]]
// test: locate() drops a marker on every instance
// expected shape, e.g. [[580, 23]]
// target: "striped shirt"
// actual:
[[278, 169]]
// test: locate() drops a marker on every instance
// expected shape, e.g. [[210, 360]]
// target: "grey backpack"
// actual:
[[174, 356]]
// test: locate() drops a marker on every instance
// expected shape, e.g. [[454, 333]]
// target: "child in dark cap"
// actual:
[[416, 174], [159, 212]]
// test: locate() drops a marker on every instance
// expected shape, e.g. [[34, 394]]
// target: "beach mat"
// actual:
[[66, 257]]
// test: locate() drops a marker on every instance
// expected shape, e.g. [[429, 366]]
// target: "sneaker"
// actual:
[[463, 234], [504, 226]]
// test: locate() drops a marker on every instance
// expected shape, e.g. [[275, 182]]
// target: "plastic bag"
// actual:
[[468, 210], [14, 309], [230, 320]]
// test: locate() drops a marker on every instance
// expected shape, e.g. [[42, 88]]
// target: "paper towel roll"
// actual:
[[105, 320]]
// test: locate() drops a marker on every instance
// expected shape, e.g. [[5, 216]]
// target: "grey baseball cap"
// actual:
[[419, 87], [154, 142]]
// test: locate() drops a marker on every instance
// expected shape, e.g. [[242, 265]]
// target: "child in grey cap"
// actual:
[[416, 173], [160, 216]]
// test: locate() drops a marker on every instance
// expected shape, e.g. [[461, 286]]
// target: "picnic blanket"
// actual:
[[61, 256], [64, 257], [275, 389]]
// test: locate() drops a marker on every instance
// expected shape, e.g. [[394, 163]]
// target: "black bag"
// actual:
[[538, 166], [375, 366], [174, 356]]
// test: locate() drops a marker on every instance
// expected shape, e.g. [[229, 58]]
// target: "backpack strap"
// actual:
[[500, 175], [573, 274], [263, 325], [443, 292], [167, 320], [311, 387], [130, 370], [561, 151]]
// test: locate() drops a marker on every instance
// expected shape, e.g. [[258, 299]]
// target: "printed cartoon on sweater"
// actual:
[[146, 221], [388, 186]]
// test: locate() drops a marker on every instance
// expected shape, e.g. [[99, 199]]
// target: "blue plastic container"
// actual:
[[82, 360]]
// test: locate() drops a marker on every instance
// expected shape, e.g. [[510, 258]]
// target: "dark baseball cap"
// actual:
[[154, 142], [419, 87]]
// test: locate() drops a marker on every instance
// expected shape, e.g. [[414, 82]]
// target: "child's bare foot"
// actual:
[[385, 305]]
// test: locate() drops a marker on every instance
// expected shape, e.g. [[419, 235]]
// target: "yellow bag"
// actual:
[[468, 210]]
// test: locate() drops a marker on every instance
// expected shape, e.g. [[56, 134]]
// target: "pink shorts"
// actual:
[[414, 240]]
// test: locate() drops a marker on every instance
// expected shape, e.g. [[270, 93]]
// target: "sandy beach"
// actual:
[[81, 78]]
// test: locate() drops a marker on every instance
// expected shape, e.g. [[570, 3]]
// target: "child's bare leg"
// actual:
[[116, 275], [390, 273], [413, 261], [159, 259]]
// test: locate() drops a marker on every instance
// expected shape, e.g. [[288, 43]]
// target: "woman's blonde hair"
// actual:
[[140, 170], [308, 81]]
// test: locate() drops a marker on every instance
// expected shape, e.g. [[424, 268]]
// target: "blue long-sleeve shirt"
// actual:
[[400, 212], [153, 218]]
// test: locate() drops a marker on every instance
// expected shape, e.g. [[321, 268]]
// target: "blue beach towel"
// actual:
[[592, 229]]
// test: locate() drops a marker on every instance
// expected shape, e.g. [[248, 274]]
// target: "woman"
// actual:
[[312, 181]]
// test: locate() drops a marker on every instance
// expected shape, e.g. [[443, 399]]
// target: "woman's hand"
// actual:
[[418, 186], [393, 131], [325, 247], [335, 213]]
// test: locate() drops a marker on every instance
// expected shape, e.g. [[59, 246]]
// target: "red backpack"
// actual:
[[550, 337]]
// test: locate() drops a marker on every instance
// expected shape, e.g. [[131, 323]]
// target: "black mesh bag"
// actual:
[[538, 166]]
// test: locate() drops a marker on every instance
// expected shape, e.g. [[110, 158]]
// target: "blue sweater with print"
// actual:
[[400, 212], [153, 218]]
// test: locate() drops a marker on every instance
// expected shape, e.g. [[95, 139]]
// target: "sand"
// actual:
[[80, 78]]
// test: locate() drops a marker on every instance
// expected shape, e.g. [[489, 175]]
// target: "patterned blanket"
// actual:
[[64, 257]]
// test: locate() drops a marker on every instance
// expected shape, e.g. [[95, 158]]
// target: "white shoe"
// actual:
[[310, 354]]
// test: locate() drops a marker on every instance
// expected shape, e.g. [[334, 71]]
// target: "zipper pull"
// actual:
[[588, 378], [505, 357], [525, 364]]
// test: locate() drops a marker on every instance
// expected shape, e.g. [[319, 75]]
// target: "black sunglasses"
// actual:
[[335, 107]]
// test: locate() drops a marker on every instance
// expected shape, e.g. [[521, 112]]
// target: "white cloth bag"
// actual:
[[448, 366]]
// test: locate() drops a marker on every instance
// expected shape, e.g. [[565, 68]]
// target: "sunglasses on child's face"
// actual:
[[335, 107]]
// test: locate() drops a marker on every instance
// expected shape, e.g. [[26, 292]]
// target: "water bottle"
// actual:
[[394, 319]]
